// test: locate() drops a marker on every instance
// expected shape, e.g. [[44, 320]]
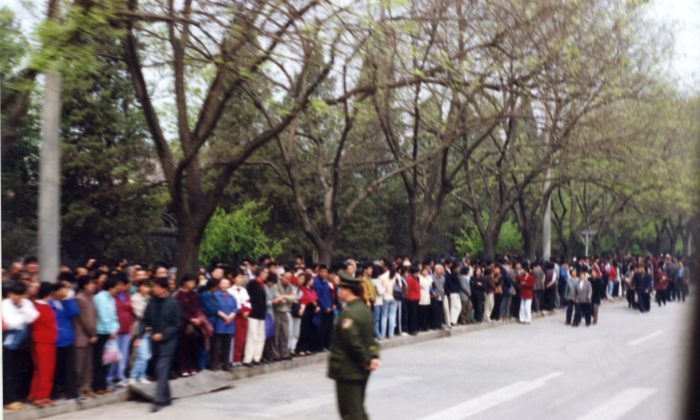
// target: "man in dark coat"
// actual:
[[162, 320], [354, 350]]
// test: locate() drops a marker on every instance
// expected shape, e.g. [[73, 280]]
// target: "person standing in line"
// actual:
[[563, 281], [325, 301], [125, 317], [538, 292], [18, 313], [85, 327], [453, 290], [308, 309], [354, 350], [661, 285], [504, 278], [467, 314], [570, 294], [684, 279], [255, 339], [224, 326], [107, 327], [412, 300], [378, 306], [389, 309], [489, 290], [282, 299], [163, 319], [643, 286], [527, 285], [191, 335], [478, 286], [44, 335], [139, 302], [240, 293], [583, 295], [369, 292], [596, 296], [424, 281], [65, 310], [210, 308]]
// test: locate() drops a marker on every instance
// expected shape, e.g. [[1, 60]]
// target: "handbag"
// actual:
[[295, 310], [111, 353], [269, 326], [15, 339]]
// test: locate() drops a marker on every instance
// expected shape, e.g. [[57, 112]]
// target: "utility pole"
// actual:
[[50, 169]]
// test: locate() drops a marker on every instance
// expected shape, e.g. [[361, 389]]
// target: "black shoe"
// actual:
[[156, 408]]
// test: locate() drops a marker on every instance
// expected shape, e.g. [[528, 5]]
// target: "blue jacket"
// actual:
[[506, 280], [65, 311], [227, 305], [106, 308], [323, 290], [209, 305]]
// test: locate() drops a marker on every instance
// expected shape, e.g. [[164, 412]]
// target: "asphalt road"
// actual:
[[629, 366]]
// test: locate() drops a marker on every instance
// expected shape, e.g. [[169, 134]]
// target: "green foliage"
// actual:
[[12, 44], [237, 235], [510, 240]]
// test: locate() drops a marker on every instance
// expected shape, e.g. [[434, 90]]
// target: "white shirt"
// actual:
[[241, 295], [14, 317], [425, 282]]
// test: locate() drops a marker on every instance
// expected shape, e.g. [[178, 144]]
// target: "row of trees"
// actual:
[[412, 127]]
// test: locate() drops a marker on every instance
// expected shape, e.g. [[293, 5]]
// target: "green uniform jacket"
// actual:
[[353, 345]]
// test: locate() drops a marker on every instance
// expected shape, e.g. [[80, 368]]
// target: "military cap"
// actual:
[[347, 280]]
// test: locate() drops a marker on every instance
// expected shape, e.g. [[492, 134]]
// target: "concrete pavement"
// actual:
[[630, 366]]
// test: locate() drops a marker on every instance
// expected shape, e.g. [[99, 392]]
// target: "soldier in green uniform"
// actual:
[[354, 351]]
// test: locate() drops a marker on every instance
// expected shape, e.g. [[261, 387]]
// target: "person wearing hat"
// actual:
[[354, 352], [163, 320]]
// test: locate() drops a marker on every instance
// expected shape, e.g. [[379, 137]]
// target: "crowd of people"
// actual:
[[102, 326]]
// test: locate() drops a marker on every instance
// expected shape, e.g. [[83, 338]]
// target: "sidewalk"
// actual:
[[208, 381]]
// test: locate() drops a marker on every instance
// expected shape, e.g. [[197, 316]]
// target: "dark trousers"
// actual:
[[583, 310], [64, 377], [99, 371], [630, 298], [644, 301], [549, 298], [220, 350], [163, 365], [187, 352], [423, 317], [16, 373], [496, 312], [478, 302], [569, 311], [661, 297], [562, 291], [325, 330], [412, 316], [307, 331], [351, 399], [403, 318], [537, 297], [515, 306], [280, 347], [436, 314]]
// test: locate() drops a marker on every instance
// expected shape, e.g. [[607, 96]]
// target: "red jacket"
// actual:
[[44, 328], [412, 289], [124, 313], [527, 283]]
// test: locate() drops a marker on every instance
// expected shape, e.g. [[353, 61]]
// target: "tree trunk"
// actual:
[[325, 252], [419, 242], [189, 237], [50, 179], [490, 239], [529, 243]]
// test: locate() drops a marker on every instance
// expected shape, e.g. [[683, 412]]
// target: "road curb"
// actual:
[[69, 406]]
